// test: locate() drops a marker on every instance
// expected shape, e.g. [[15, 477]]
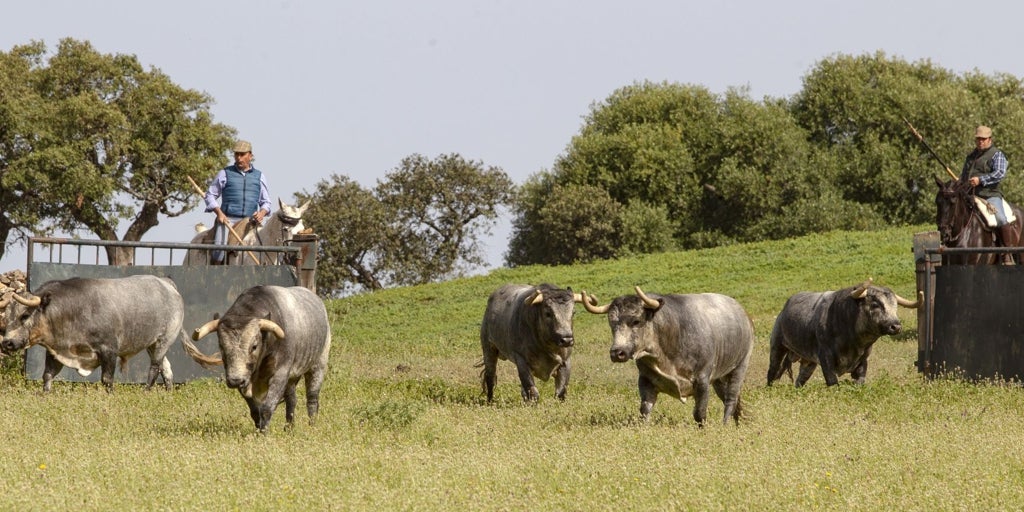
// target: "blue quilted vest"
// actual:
[[241, 195]]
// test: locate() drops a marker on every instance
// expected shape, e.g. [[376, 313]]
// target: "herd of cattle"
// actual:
[[271, 337], [684, 344]]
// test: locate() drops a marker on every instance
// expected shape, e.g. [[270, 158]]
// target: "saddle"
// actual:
[[988, 212]]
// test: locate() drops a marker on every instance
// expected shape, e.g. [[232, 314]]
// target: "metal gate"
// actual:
[[972, 322], [205, 289]]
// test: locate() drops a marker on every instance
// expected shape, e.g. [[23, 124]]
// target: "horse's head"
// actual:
[[290, 219], [954, 205]]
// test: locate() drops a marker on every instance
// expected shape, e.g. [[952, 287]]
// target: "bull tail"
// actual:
[[483, 381], [208, 362]]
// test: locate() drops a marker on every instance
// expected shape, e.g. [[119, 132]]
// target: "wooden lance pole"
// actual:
[[202, 194], [930, 150]]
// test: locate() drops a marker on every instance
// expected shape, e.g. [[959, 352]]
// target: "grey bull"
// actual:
[[683, 345], [270, 338], [532, 327], [90, 323], [833, 329]]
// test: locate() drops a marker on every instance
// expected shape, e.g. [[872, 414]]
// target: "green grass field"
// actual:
[[403, 424]]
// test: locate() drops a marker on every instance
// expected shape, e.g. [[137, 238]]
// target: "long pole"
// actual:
[[929, 148], [231, 229]]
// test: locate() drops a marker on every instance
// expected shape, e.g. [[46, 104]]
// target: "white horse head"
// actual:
[[279, 229]]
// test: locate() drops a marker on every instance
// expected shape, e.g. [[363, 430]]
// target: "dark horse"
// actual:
[[961, 225]]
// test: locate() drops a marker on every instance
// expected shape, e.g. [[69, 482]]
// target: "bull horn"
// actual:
[[5, 300], [206, 328], [535, 298], [862, 289], [270, 325], [33, 302], [590, 304], [648, 302], [576, 297], [204, 360], [909, 304]]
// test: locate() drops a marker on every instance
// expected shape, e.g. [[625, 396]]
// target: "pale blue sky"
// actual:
[[325, 87]]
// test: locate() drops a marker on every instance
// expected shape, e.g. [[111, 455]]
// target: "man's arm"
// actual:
[[999, 165], [265, 205]]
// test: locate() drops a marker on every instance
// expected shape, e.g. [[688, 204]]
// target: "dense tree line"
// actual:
[[664, 165], [90, 140]]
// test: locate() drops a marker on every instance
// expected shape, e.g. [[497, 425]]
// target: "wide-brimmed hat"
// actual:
[[242, 146], [983, 132]]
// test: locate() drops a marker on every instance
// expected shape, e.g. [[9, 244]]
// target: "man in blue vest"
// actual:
[[242, 193]]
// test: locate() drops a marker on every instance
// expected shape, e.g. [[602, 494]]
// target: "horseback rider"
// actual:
[[242, 191], [984, 168]]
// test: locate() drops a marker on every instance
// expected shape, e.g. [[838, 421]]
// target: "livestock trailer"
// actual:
[[972, 320], [205, 289]]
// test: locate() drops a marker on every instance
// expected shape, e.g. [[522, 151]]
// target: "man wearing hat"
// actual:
[[238, 191], [984, 168]]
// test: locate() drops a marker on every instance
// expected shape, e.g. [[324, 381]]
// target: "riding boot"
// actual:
[[1008, 237]]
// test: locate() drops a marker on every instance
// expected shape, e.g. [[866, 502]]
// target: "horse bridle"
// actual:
[[287, 223]]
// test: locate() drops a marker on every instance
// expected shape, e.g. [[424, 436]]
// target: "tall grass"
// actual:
[[403, 424]]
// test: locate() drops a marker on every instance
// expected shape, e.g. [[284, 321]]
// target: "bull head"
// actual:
[[19, 324], [234, 380]]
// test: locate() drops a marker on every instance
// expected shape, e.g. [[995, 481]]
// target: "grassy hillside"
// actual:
[[403, 424]]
